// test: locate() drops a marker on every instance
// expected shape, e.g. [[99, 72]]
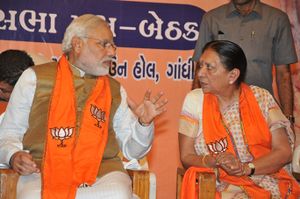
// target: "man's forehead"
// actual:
[[102, 31]]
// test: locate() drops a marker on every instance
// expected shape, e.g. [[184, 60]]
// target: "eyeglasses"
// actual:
[[104, 43]]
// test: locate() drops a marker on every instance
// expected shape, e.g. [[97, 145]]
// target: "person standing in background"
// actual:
[[292, 8], [264, 33]]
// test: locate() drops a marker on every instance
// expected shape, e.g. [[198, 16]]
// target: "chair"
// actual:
[[140, 182], [8, 183], [206, 184], [296, 163], [143, 181]]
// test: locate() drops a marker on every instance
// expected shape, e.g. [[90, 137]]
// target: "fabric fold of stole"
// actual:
[[257, 136], [70, 157], [3, 106]]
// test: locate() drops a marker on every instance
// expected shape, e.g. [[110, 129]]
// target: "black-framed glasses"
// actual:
[[104, 43]]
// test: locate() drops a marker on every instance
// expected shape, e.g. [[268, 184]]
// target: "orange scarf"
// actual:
[[257, 136], [72, 158]]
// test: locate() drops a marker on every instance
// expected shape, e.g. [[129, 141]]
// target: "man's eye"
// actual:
[[100, 44], [106, 44], [209, 67], [200, 65]]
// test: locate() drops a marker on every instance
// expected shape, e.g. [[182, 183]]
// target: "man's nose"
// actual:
[[201, 71], [111, 50]]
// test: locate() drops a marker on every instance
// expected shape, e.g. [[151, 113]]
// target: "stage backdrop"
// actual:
[[155, 40]]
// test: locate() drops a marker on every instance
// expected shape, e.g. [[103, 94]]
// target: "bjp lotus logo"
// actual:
[[218, 146], [98, 114], [61, 134]]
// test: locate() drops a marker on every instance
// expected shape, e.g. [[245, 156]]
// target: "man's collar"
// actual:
[[231, 10], [76, 71]]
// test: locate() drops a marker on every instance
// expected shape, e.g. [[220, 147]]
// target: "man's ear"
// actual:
[[5, 91], [234, 75], [77, 43]]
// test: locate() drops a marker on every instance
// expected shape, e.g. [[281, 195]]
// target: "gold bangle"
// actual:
[[203, 161], [244, 170]]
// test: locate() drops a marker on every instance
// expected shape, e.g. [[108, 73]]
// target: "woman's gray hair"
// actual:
[[79, 27]]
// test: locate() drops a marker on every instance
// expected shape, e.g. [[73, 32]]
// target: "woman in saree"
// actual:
[[234, 130]]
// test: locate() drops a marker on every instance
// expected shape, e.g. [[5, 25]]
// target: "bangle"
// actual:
[[203, 161], [142, 123], [291, 118], [245, 168]]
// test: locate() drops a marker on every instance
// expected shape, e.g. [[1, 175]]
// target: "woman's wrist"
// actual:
[[291, 118], [203, 162], [249, 169]]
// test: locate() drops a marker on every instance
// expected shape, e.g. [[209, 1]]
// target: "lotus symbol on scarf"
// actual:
[[218, 146], [61, 134], [98, 114]]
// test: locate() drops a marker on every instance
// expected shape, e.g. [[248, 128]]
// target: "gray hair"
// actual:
[[79, 27]]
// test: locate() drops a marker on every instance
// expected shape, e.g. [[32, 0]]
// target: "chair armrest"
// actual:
[[180, 174], [140, 182], [205, 181], [207, 185], [296, 163], [296, 160], [8, 184], [9, 179]]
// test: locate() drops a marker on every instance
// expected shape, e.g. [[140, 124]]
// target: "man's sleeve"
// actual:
[[284, 49], [134, 140], [204, 37], [15, 121]]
